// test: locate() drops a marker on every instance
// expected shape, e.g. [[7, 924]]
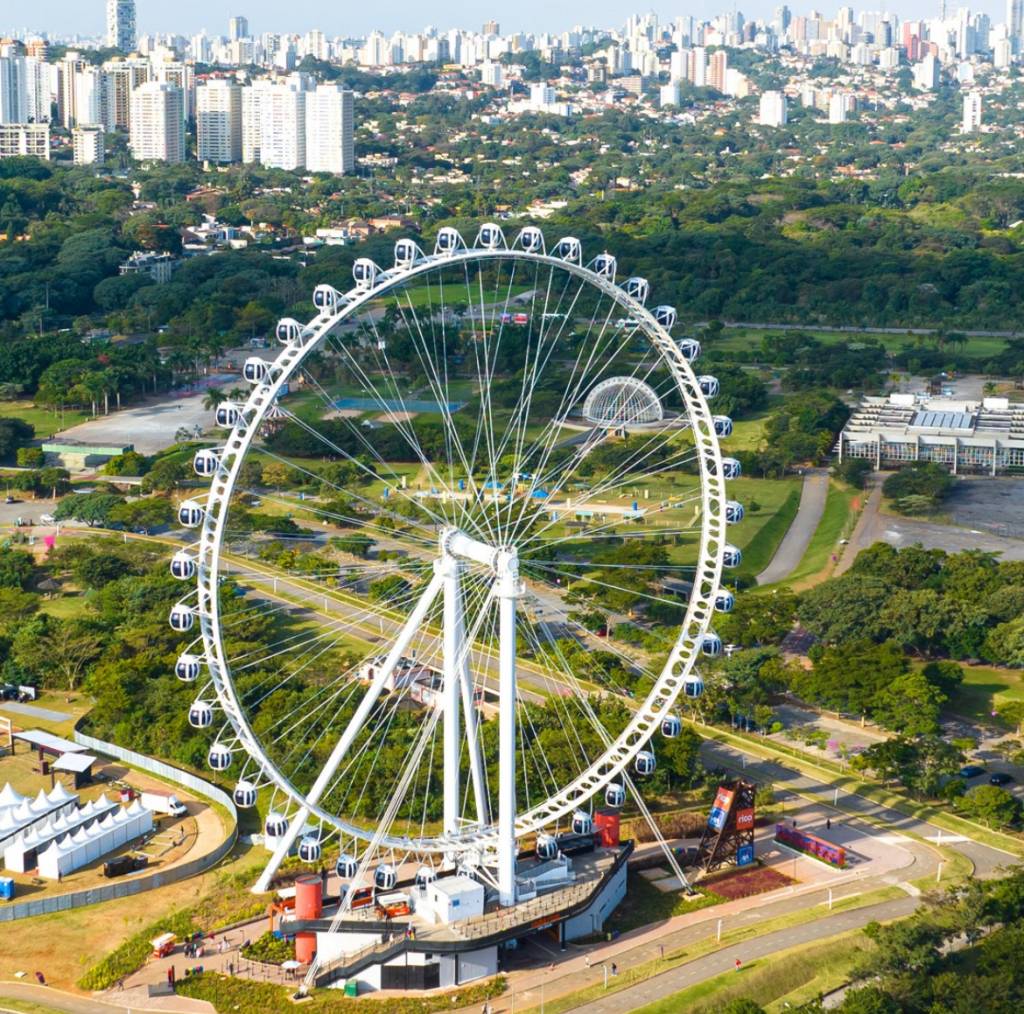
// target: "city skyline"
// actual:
[[65, 17]]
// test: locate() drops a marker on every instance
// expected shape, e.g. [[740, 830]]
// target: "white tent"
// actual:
[[26, 814], [24, 849], [10, 796], [91, 841]]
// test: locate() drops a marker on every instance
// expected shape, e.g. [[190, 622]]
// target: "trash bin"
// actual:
[[351, 988]]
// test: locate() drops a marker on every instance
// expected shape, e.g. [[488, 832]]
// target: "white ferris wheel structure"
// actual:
[[506, 340]]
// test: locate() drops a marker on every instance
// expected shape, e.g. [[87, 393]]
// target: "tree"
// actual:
[[56, 652], [92, 508], [30, 457], [355, 543], [845, 608], [277, 474], [992, 805], [14, 433], [909, 704], [143, 514], [759, 619], [16, 568], [849, 678], [853, 471], [919, 487]]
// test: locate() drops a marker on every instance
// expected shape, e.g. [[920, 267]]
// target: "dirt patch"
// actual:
[[394, 417], [746, 883], [344, 413]]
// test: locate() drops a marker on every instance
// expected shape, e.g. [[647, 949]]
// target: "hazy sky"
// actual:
[[189, 16]]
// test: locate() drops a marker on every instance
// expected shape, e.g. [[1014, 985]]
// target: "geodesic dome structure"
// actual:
[[622, 401]]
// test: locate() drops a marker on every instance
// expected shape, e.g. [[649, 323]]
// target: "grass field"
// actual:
[[759, 533], [741, 339], [983, 689], [44, 421], [644, 905], [767, 980]]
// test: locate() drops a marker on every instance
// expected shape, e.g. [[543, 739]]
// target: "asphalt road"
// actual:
[[795, 542], [987, 860], [662, 986]]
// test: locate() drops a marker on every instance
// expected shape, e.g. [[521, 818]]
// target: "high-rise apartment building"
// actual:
[[13, 89], [1015, 23], [972, 113], [238, 28], [87, 144], [120, 78], [282, 142], [718, 67], [492, 28], [219, 121], [772, 111], [330, 130], [121, 25], [158, 123]]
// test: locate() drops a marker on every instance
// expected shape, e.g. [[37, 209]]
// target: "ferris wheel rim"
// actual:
[[648, 714]]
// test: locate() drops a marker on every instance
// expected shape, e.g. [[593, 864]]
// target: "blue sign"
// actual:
[[716, 819], [744, 855]]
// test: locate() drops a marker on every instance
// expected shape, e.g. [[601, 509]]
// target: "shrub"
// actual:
[[269, 948]]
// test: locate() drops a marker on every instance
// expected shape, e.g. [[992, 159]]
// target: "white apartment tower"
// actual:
[[121, 24], [158, 123], [972, 113], [772, 111], [219, 121], [282, 142], [329, 130], [87, 142]]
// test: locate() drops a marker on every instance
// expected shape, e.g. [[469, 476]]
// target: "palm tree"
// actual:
[[212, 398]]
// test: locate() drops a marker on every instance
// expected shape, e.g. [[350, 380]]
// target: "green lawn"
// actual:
[[983, 688], [762, 529], [644, 905], [46, 423], [742, 339], [836, 523], [767, 980]]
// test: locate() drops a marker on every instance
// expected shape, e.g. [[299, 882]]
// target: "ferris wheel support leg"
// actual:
[[369, 699], [476, 760], [454, 657], [507, 589]]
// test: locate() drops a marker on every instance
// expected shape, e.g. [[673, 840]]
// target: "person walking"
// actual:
[[737, 964]]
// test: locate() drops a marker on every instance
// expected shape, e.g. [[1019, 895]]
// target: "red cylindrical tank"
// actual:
[[606, 827], [309, 904]]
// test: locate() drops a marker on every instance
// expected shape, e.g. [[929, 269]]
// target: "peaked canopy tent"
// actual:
[[23, 851], [31, 813], [91, 842]]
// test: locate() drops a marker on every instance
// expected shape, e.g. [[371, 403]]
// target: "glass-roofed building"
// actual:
[[985, 437]]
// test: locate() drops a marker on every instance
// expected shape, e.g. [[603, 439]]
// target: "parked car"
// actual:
[[971, 771], [1000, 778]]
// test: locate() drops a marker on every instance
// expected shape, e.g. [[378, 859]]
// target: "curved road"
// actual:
[[795, 542]]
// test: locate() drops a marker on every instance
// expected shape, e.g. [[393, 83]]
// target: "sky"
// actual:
[[189, 16]]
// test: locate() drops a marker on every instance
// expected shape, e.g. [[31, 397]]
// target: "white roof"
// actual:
[[77, 762], [49, 742], [456, 886]]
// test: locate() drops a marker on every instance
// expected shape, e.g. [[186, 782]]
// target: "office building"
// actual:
[[985, 437], [329, 130], [219, 121], [773, 110], [25, 139], [972, 113], [121, 25], [158, 123], [87, 144], [238, 28]]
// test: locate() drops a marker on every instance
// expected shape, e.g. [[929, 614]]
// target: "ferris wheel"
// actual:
[[457, 713]]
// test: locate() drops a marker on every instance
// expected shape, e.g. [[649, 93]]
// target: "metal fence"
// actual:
[[135, 885]]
